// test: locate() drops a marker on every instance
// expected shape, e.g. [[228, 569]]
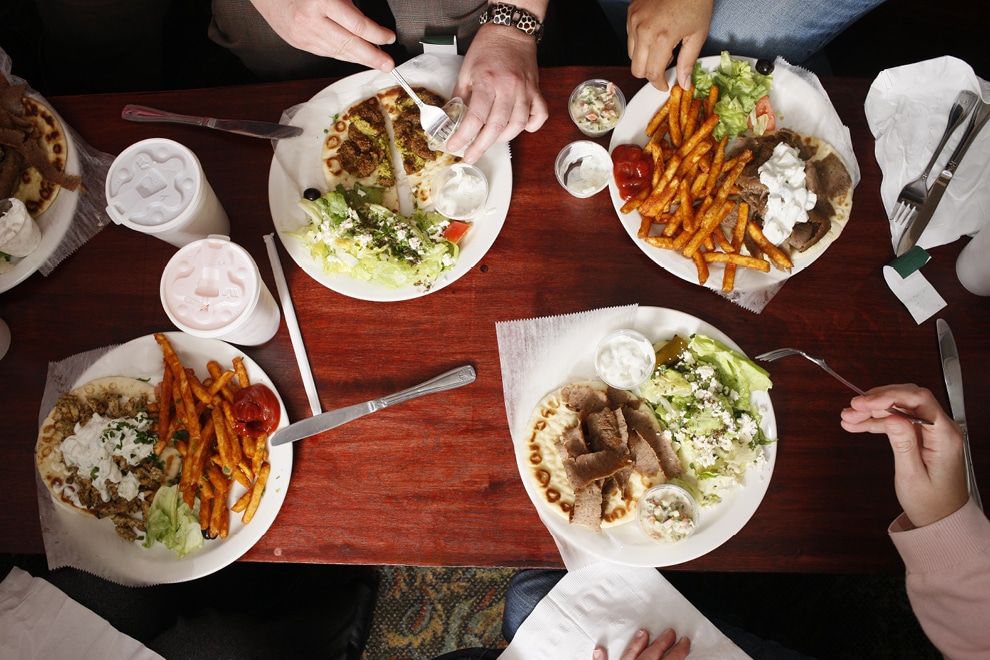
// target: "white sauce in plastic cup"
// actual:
[[212, 288], [973, 265], [158, 187], [19, 233]]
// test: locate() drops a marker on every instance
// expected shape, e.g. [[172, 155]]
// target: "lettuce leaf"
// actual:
[[172, 523]]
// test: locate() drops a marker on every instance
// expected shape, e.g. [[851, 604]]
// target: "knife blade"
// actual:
[[952, 372], [262, 129], [917, 226], [325, 421]]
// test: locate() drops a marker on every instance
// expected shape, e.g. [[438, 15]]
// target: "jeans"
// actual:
[[793, 29]]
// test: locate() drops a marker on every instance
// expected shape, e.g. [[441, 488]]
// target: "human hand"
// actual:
[[329, 28], [655, 27], [929, 468], [499, 81], [665, 646]]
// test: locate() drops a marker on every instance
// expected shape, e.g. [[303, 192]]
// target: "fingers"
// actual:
[[666, 646]]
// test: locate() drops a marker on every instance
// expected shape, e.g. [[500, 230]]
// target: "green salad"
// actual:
[[701, 392], [740, 88], [350, 232]]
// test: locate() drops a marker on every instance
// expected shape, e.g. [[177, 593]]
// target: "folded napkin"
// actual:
[[37, 620], [604, 604], [89, 216], [598, 602], [907, 109]]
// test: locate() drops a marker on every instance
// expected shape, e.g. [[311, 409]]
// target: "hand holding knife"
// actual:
[[953, 384]]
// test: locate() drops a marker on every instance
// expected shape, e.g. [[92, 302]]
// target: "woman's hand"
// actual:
[[665, 646], [929, 467], [655, 27]]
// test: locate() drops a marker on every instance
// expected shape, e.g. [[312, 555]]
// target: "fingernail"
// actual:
[[640, 633], [598, 654]]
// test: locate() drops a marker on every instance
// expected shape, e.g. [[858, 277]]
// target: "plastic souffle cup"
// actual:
[[157, 187], [212, 288]]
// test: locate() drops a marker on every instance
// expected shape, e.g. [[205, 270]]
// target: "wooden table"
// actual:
[[434, 482]]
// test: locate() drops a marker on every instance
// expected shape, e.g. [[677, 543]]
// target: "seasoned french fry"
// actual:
[[701, 265], [661, 115], [771, 250], [241, 502], [256, 492], [674, 122], [711, 100], [739, 259], [241, 371]]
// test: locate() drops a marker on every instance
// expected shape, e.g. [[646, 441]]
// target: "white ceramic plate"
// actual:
[[297, 166], [798, 106], [628, 544], [131, 563], [54, 222]]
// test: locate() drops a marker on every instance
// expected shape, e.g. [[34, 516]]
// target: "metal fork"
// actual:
[[914, 192], [784, 352], [437, 124]]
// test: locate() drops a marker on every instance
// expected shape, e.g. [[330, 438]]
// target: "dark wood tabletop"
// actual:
[[434, 481]]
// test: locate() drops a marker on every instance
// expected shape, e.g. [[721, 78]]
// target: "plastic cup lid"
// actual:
[[152, 184], [210, 286]]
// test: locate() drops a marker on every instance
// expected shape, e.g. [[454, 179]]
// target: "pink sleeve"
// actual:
[[948, 579]]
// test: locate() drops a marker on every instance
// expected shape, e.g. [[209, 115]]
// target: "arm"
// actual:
[[655, 27], [942, 536], [499, 80], [330, 28]]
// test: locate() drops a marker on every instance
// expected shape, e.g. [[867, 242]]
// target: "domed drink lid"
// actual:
[[210, 287]]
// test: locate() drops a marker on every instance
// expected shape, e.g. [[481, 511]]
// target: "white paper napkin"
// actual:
[[39, 621], [907, 109], [604, 604]]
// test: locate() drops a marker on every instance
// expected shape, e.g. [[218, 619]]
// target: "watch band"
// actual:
[[512, 16]]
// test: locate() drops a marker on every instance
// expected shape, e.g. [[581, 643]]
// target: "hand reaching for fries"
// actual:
[[693, 192], [198, 416]]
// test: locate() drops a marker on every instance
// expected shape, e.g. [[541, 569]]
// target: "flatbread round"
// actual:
[[545, 445], [34, 190], [113, 397]]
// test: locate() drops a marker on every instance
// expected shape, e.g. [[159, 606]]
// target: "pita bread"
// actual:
[[113, 397], [545, 429], [34, 190]]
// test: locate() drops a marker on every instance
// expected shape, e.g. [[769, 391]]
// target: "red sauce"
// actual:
[[256, 411], [632, 169]]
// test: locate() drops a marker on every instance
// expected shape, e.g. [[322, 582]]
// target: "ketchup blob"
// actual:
[[256, 411]]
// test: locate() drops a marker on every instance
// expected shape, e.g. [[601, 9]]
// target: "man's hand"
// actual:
[[929, 468], [329, 28], [655, 27], [499, 81]]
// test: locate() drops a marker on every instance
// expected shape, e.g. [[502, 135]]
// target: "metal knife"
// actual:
[[952, 372], [262, 129], [917, 227], [325, 421]]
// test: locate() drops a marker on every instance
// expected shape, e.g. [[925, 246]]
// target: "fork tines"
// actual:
[[903, 212]]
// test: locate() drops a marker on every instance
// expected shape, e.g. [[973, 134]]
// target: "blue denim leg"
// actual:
[[793, 29], [525, 591]]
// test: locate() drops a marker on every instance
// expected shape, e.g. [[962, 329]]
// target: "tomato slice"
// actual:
[[632, 169], [766, 121], [455, 231]]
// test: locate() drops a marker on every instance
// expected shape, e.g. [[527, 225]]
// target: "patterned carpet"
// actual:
[[422, 613]]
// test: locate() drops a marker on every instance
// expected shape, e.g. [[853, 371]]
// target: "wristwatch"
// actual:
[[512, 16]]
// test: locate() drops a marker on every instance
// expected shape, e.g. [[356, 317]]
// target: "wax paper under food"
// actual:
[[827, 126], [436, 72], [90, 215], [539, 355], [907, 109]]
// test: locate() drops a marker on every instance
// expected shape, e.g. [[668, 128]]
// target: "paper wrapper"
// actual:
[[907, 109], [31, 609], [598, 602], [89, 216]]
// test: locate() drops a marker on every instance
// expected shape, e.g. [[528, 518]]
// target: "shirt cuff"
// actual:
[[944, 543]]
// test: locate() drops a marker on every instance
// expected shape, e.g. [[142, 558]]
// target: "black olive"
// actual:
[[312, 194], [764, 67]]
